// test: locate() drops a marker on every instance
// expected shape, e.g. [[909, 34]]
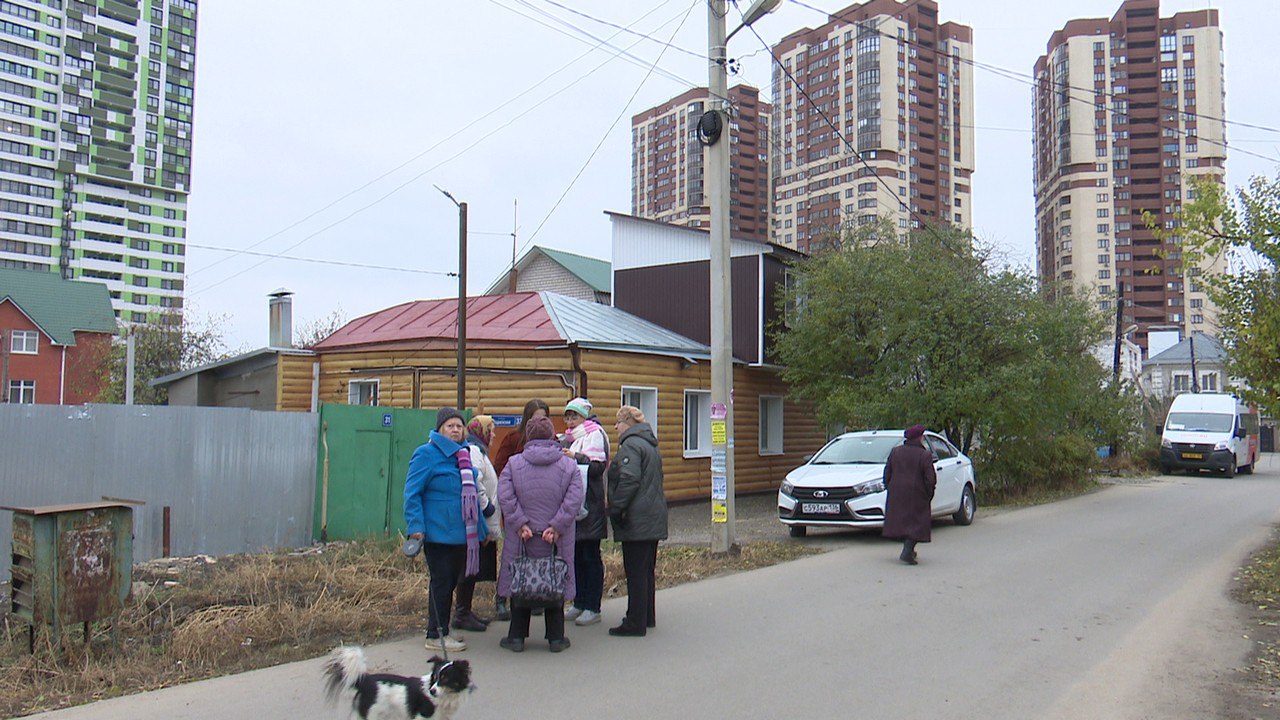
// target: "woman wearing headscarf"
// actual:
[[588, 445], [479, 435], [540, 492], [638, 510], [909, 481], [442, 508], [510, 446]]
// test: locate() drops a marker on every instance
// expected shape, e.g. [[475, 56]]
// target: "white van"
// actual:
[[1209, 431]]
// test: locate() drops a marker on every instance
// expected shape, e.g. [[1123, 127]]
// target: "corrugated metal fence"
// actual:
[[236, 480]]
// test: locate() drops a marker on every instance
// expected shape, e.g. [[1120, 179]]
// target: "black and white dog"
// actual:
[[383, 696]]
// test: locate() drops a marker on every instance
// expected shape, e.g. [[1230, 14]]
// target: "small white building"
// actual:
[[1130, 359], [1197, 363]]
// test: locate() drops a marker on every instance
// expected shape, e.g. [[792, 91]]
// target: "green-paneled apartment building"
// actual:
[[95, 144]]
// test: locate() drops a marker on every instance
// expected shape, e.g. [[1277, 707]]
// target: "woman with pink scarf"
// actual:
[[588, 445]]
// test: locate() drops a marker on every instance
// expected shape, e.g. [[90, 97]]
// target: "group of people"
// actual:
[[543, 494]]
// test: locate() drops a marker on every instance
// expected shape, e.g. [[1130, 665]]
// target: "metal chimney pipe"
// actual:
[[280, 318]]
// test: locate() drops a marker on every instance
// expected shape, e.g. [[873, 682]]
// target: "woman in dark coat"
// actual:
[[638, 511], [909, 479], [540, 491]]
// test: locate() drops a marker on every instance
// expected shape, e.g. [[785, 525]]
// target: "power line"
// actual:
[[468, 126], [610, 130], [579, 13], [411, 180], [321, 261]]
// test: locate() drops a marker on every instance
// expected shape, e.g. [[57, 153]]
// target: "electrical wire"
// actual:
[[411, 180], [579, 13], [464, 128], [610, 130], [321, 261]]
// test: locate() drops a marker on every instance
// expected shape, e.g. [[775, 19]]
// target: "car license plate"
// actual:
[[1192, 456], [820, 508]]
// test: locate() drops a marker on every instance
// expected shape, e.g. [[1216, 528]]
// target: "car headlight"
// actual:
[[1164, 443], [866, 488], [788, 487], [1222, 445]]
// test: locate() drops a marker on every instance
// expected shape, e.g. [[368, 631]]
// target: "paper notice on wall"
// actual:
[[719, 432], [719, 411], [719, 487], [719, 511]]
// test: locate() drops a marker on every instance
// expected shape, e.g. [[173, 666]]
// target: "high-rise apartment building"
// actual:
[[1127, 112], [897, 87], [667, 162], [95, 144]]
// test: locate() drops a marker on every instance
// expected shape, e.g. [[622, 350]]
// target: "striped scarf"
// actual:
[[470, 510]]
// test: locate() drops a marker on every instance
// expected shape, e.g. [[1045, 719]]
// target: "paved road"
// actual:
[[1110, 605]]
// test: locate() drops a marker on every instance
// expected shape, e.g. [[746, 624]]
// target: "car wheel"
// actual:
[[799, 531], [1230, 472], [968, 507], [1246, 469]]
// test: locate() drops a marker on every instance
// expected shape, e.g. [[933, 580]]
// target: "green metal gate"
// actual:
[[363, 457]]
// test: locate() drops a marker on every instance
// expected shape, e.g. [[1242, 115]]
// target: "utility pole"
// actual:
[[713, 131], [462, 299], [1115, 358], [1195, 379]]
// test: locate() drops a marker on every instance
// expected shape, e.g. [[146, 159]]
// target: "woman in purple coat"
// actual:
[[909, 479], [540, 492]]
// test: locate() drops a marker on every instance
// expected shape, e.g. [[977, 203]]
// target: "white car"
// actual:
[[843, 484]]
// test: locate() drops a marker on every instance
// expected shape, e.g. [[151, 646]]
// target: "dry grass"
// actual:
[[1258, 588], [200, 617]]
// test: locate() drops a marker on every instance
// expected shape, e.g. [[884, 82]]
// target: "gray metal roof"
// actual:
[[594, 325], [1208, 349], [262, 357]]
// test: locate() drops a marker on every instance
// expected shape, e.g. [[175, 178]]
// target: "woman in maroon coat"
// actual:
[[909, 480]]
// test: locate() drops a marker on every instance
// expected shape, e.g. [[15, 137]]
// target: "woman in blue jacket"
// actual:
[[442, 508]]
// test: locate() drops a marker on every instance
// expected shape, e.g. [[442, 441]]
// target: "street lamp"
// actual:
[[462, 298], [712, 127]]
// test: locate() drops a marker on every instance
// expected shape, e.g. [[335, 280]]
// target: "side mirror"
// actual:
[[1240, 432]]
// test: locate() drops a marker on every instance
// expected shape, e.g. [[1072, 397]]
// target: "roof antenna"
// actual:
[[511, 282]]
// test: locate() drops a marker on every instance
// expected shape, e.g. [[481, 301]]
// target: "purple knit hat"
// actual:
[[539, 428], [914, 432]]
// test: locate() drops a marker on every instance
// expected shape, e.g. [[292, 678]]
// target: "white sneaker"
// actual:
[[588, 617], [450, 643], [572, 613]]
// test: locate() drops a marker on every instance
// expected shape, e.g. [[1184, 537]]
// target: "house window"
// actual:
[[645, 398], [362, 392], [697, 423], [1209, 382], [22, 392], [25, 342], [770, 425], [1181, 383]]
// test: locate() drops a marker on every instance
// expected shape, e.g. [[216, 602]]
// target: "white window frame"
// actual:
[[363, 382], [700, 417], [648, 403], [771, 424], [1209, 382], [26, 392], [1185, 377], [21, 340]]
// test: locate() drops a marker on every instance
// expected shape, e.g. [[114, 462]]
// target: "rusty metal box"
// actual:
[[71, 563]]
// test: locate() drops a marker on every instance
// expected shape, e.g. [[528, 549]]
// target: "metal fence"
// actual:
[[235, 480]]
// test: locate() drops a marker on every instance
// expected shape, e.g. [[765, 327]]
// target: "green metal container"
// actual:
[[71, 563]]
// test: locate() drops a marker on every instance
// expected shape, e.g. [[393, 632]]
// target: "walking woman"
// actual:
[[442, 507], [638, 510], [540, 491], [588, 446], [909, 479]]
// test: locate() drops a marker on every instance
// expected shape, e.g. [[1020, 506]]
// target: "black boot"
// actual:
[[503, 611], [908, 554]]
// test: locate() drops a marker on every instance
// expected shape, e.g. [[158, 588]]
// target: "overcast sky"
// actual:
[[322, 125]]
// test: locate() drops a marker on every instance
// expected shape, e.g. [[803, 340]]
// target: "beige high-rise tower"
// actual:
[[1127, 111], [896, 83]]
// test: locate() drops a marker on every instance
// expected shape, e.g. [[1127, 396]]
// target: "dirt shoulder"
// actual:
[[1253, 691]]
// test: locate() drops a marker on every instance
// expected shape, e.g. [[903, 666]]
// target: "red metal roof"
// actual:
[[516, 318]]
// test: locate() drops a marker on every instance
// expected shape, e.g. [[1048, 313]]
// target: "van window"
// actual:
[[1200, 422]]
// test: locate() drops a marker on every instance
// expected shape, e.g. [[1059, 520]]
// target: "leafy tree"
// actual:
[[313, 331], [174, 343], [885, 333], [1247, 230]]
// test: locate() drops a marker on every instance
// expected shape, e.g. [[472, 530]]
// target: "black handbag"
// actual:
[[538, 582]]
